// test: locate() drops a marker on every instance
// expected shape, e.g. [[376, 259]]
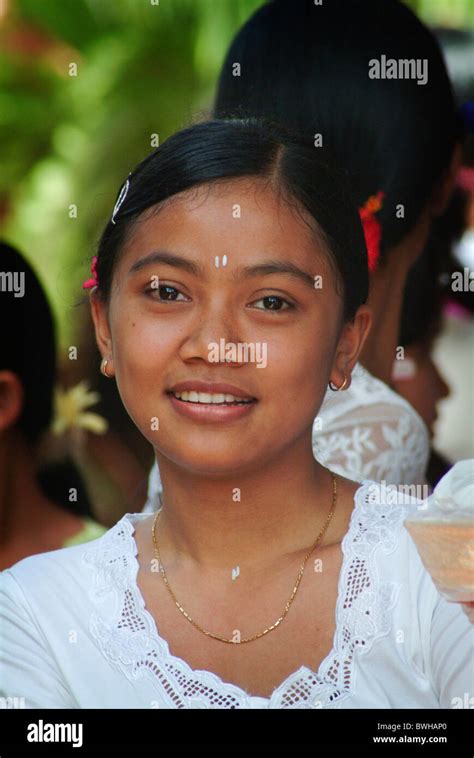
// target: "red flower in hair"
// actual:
[[372, 228], [89, 283]]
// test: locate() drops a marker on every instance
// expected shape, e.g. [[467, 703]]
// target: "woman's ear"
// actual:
[[11, 399], [99, 313], [351, 341], [444, 188]]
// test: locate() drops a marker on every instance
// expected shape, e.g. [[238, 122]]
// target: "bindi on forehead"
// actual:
[[293, 249]]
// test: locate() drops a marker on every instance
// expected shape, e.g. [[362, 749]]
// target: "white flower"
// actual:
[[70, 410]]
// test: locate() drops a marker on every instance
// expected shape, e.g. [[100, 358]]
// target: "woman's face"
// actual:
[[227, 286]]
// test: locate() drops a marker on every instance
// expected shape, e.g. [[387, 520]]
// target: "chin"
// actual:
[[210, 465]]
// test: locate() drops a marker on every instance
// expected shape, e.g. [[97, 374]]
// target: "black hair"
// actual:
[[28, 349], [216, 151], [427, 286], [27, 343], [307, 66]]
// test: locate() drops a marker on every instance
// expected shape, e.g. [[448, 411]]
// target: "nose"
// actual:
[[444, 389], [211, 322]]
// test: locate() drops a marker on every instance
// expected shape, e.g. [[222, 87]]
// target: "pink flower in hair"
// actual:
[[94, 282]]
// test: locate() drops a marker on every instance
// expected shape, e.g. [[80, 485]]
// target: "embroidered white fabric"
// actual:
[[371, 432], [365, 432], [397, 644], [362, 615]]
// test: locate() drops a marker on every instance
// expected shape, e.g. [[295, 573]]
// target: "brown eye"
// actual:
[[164, 293], [274, 303]]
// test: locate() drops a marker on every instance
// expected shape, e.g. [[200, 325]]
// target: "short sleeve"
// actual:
[[370, 432], [382, 441], [28, 670], [452, 655]]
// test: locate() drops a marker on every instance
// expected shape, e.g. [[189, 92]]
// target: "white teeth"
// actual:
[[206, 397]]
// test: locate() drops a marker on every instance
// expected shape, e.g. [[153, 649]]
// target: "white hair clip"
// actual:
[[120, 199]]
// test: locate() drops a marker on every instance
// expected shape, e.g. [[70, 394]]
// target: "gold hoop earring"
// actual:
[[333, 387], [103, 368]]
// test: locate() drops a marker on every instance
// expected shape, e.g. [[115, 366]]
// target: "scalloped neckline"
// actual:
[[140, 608]]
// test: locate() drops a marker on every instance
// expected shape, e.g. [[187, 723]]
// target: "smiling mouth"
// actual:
[[208, 398]]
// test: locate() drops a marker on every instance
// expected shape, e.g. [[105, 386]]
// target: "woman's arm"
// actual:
[[28, 670]]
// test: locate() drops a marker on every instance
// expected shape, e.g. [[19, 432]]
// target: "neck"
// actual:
[[256, 519], [387, 287], [385, 300]]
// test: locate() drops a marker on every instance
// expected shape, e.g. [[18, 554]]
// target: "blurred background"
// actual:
[[86, 89]]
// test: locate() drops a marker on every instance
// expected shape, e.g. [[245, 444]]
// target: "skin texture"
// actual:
[[426, 387], [152, 345], [387, 285]]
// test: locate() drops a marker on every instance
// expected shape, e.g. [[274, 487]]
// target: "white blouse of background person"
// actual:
[[365, 432]]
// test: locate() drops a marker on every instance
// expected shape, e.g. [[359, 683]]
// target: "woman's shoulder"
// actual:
[[387, 505], [63, 570], [382, 557], [378, 521], [379, 537]]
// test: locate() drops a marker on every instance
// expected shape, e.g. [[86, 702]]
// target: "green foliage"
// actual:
[[142, 69], [70, 140]]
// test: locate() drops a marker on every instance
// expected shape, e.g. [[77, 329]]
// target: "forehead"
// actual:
[[245, 215]]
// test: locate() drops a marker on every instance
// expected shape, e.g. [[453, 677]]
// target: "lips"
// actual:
[[212, 413], [211, 388]]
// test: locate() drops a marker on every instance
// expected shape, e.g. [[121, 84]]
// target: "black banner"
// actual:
[[223, 732]]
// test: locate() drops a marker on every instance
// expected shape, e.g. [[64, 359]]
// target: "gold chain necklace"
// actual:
[[287, 606]]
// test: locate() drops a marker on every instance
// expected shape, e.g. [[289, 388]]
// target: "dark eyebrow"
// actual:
[[260, 269], [278, 267], [162, 256]]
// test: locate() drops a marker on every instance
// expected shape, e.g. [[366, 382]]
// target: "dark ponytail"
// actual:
[[27, 348]]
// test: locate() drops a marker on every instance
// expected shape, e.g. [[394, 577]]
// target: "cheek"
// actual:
[[143, 342], [299, 371], [142, 354]]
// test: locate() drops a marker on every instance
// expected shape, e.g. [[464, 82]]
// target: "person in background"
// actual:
[[319, 69], [455, 228], [416, 376], [36, 514], [429, 293]]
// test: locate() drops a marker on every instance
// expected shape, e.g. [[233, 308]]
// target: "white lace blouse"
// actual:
[[75, 632], [365, 432]]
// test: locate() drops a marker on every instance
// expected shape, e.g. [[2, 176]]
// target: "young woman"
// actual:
[[265, 581], [36, 514]]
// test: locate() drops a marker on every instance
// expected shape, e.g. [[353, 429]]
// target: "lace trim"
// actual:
[[128, 637], [370, 432]]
